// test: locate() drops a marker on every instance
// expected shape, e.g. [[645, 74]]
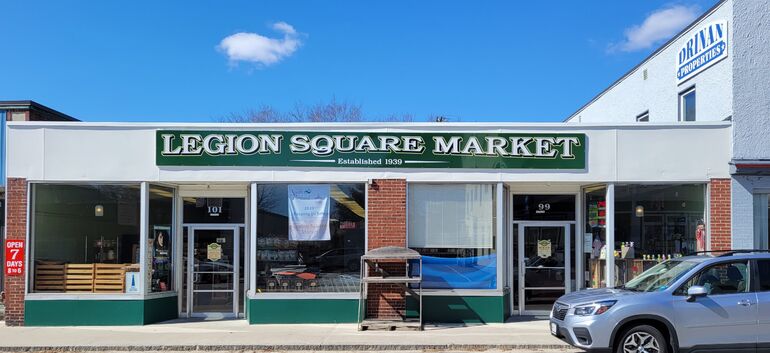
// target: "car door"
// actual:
[[726, 317], [763, 305]]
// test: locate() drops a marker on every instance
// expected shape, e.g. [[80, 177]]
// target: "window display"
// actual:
[[595, 238], [453, 227], [653, 223], [160, 238], [310, 237], [85, 238]]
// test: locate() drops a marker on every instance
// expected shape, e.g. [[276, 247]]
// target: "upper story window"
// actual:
[[643, 118], [687, 105]]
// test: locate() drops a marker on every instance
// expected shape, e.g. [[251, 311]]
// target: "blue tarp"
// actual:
[[479, 272]]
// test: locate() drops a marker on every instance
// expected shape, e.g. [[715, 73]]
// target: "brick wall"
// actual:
[[16, 229], [719, 214], [386, 225]]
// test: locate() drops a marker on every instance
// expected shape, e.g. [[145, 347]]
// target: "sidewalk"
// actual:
[[238, 335]]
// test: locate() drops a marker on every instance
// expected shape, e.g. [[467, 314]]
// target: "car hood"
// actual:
[[594, 295]]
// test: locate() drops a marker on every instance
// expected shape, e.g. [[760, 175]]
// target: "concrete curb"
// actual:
[[301, 347]]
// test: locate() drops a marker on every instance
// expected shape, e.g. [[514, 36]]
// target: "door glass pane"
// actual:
[[213, 270], [208, 302], [541, 299], [241, 269], [516, 269], [544, 246], [213, 250], [185, 235], [213, 281], [545, 266], [544, 277]]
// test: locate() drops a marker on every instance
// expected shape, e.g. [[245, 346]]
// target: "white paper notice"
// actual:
[[309, 212]]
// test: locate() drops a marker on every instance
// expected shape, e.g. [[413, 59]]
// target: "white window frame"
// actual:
[[251, 228], [682, 95], [143, 236], [499, 290]]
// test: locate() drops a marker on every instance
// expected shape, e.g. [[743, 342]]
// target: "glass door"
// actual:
[[213, 272], [544, 266]]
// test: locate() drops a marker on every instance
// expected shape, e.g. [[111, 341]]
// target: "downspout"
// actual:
[[3, 142]]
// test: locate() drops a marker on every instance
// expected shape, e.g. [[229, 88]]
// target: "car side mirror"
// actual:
[[695, 292]]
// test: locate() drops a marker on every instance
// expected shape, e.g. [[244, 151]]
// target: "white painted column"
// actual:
[[610, 234], [179, 250], [500, 232], [144, 225], [252, 224], [578, 236]]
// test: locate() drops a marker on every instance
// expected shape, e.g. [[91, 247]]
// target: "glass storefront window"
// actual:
[[453, 227], [310, 237], [85, 238], [595, 236], [161, 222], [652, 223]]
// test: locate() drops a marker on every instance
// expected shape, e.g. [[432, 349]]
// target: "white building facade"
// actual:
[[198, 217], [716, 69]]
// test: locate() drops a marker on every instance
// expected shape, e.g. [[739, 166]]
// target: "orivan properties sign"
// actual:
[[706, 47], [370, 150]]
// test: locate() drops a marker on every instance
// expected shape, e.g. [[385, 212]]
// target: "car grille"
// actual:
[[560, 311]]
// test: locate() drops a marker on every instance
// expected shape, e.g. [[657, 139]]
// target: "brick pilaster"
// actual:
[[16, 229], [386, 225], [719, 214]]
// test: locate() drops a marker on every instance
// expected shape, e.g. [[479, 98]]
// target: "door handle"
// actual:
[[745, 302]]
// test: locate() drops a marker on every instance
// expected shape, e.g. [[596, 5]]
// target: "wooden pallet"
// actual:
[[109, 278], [79, 278], [49, 277], [391, 325]]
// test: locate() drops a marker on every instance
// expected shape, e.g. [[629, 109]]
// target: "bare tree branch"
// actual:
[[332, 111]]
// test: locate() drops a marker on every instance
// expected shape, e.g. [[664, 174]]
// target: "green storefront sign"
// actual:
[[369, 150]]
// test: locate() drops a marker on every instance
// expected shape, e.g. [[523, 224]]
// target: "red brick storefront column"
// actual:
[[719, 214], [386, 226], [16, 229]]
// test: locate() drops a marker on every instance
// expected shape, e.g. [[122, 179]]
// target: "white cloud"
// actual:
[[660, 25], [259, 49]]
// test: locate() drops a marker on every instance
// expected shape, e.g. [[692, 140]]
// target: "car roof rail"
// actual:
[[704, 252], [729, 252], [743, 251]]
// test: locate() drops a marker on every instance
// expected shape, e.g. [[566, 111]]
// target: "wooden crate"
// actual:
[[80, 277], [109, 278], [49, 277]]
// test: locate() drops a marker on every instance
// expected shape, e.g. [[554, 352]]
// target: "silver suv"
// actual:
[[694, 303]]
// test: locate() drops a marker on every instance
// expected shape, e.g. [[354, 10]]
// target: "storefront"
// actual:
[[140, 223]]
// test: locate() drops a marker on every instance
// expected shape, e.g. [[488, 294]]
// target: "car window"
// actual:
[[764, 275], [721, 278]]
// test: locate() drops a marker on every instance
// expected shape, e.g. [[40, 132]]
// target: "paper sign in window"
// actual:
[[309, 212]]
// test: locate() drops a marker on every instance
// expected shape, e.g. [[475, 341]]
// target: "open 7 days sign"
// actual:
[[370, 150]]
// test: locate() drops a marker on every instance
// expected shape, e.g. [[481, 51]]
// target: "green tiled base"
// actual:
[[302, 311], [462, 309], [99, 312]]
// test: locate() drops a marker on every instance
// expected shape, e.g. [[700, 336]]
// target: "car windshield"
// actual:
[[660, 276]]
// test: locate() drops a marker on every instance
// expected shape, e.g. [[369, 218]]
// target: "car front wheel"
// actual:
[[642, 339]]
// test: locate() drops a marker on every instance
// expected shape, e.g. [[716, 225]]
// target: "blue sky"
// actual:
[[200, 61]]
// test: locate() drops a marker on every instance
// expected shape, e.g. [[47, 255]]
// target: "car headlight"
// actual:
[[597, 308]]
